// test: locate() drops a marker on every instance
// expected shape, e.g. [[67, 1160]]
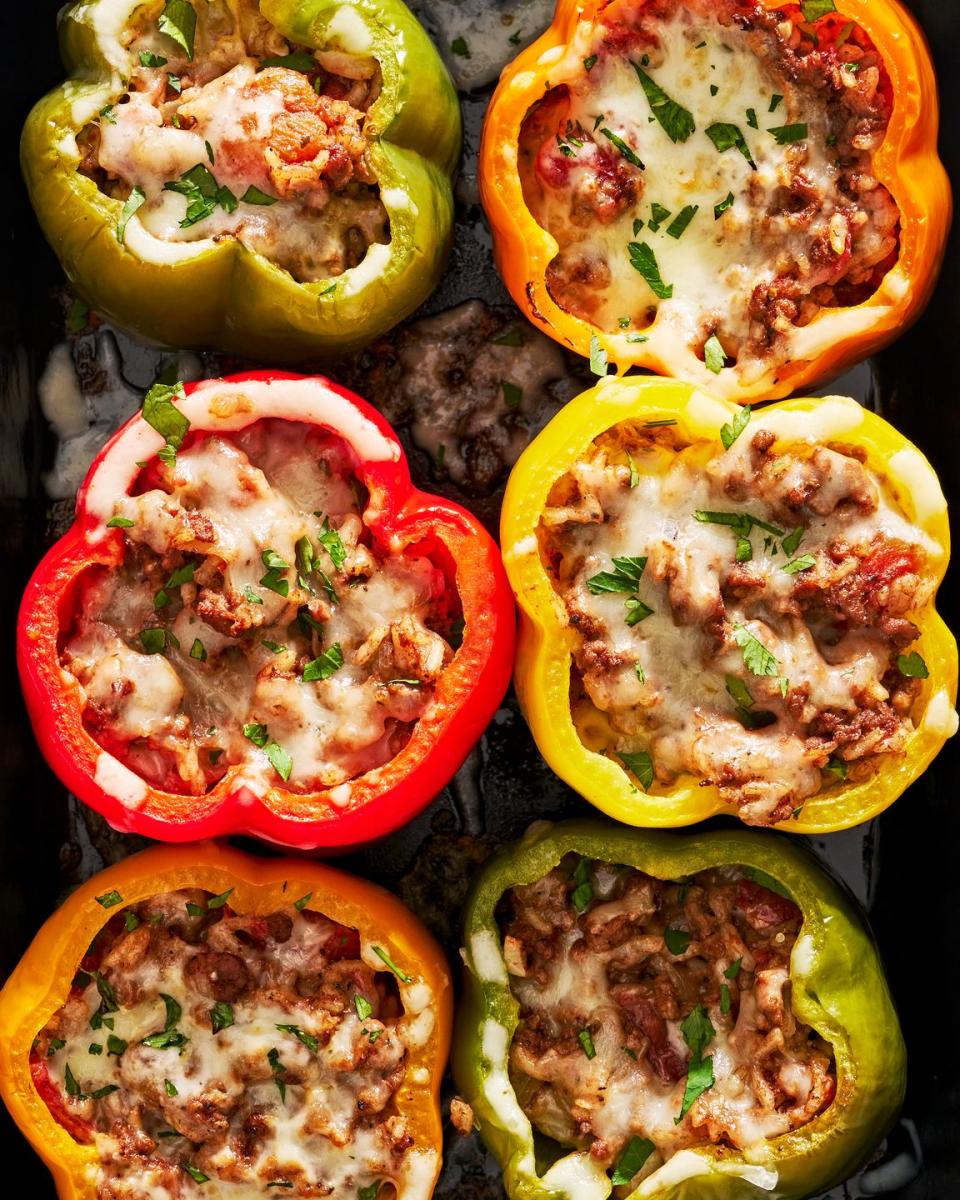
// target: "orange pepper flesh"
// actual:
[[906, 163], [42, 980]]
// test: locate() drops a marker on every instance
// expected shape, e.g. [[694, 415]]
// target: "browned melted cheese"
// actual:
[[615, 971], [200, 653], [764, 658], [250, 1050]]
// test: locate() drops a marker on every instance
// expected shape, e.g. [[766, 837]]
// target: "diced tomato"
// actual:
[[79, 1129]]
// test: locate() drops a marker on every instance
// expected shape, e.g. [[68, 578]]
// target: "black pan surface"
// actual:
[[902, 866]]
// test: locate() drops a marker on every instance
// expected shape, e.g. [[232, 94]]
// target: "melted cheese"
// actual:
[[682, 711], [351, 1153], [250, 496], [226, 125], [718, 73], [621, 1094]]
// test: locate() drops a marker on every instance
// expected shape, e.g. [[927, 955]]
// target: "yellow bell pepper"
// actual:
[[573, 742]]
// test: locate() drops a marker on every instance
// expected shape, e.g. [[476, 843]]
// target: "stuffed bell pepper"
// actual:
[[730, 611], [270, 178], [257, 625], [742, 193], [649, 1015], [196, 1022]]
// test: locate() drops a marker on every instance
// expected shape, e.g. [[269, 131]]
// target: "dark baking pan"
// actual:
[[901, 866]]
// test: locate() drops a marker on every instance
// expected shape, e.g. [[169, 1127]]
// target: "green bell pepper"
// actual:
[[223, 294], [838, 989]]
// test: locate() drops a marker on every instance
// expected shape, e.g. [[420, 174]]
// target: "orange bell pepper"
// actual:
[[906, 163], [41, 983], [575, 743]]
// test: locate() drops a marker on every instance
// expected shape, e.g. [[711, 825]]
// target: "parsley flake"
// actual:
[[676, 121]]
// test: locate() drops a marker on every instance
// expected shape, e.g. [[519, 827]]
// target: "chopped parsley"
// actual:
[[622, 146], [585, 1038], [640, 762], [153, 640], [912, 666], [767, 881], [362, 1006], [838, 767], [134, 201], [741, 522], [308, 1039], [730, 433], [729, 137], [590, 62], [198, 650], [251, 596], [698, 1032], [676, 940], [643, 259], [714, 355], [302, 903], [598, 357], [203, 194], [582, 894], [195, 1173], [253, 195], [634, 473], [756, 657], [385, 958], [637, 1152], [161, 414], [331, 541], [299, 60], [775, 100], [658, 214], [109, 899], [678, 226], [279, 1070], [733, 970], [793, 540], [170, 1088], [722, 205], [179, 22], [325, 665], [637, 610], [724, 999], [623, 578], [813, 10], [803, 563], [676, 121], [752, 118], [149, 59], [460, 47], [278, 758], [785, 134], [512, 394]]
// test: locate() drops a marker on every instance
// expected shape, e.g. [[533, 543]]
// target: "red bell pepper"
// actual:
[[369, 806]]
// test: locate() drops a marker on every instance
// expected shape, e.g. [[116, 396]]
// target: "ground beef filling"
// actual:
[[253, 138], [712, 161], [743, 616], [255, 620], [643, 1001], [198, 1044]]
